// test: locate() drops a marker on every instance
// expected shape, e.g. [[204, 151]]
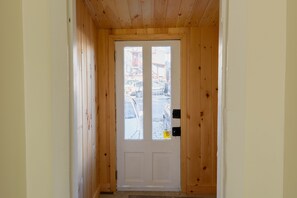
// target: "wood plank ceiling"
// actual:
[[153, 13]]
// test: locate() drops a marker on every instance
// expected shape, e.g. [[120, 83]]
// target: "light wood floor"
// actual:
[[177, 194]]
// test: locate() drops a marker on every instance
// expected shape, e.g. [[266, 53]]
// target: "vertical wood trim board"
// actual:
[[202, 110], [112, 121], [194, 110], [199, 65], [87, 101], [105, 108], [183, 102]]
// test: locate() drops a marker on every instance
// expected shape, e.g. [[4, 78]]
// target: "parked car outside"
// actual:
[[158, 88], [138, 89], [133, 118], [129, 87], [167, 117]]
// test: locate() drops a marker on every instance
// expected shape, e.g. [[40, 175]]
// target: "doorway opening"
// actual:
[[147, 89], [199, 63]]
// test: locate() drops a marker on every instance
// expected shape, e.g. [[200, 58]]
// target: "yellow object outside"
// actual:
[[166, 134]]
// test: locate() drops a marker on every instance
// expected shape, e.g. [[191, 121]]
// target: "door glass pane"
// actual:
[[133, 78], [161, 93]]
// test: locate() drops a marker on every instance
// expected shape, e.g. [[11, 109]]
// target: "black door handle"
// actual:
[[176, 113], [176, 131]]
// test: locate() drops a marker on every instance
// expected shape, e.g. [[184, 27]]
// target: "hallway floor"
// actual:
[[154, 194]]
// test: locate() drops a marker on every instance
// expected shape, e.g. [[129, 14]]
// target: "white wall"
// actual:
[[46, 98], [235, 99], [255, 82], [290, 177], [12, 107], [38, 100], [34, 81]]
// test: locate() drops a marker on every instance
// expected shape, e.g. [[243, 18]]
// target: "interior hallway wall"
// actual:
[[12, 106], [85, 78], [255, 98], [290, 174], [46, 76]]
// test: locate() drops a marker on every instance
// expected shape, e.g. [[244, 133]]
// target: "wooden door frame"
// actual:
[[183, 99]]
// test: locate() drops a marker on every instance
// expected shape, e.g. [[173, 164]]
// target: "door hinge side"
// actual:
[[115, 55], [116, 174]]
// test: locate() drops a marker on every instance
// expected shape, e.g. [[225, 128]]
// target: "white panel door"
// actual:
[[147, 89]]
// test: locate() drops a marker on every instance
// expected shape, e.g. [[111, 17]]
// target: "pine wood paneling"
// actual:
[[160, 7], [153, 13], [149, 32], [199, 7], [199, 49], [172, 13], [184, 100], [194, 109], [147, 8], [87, 142], [211, 14], [202, 110], [185, 12], [104, 95], [112, 121], [135, 13], [123, 13], [110, 10], [206, 105]]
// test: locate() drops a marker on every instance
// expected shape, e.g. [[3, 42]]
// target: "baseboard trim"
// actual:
[[149, 189], [97, 192], [201, 190], [105, 188]]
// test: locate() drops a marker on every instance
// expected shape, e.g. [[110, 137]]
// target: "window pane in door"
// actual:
[[161, 93], [133, 79]]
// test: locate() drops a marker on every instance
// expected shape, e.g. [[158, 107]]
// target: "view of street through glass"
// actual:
[[160, 90]]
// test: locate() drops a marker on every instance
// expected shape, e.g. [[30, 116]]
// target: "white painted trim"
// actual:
[[71, 16], [223, 24], [149, 189]]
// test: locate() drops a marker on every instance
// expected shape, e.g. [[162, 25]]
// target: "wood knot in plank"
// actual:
[[188, 116], [201, 113]]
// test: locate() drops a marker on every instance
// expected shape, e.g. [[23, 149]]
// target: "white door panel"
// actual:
[[147, 89]]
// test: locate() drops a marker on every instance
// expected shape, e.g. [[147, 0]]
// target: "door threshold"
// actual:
[[153, 194]]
